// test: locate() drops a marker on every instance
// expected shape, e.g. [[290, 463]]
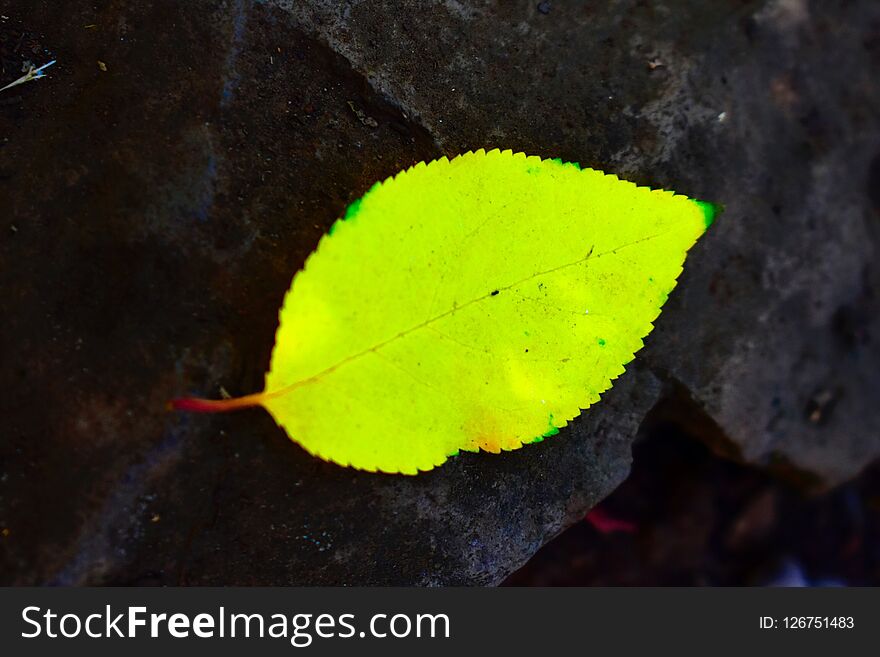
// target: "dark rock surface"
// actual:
[[154, 213], [688, 517]]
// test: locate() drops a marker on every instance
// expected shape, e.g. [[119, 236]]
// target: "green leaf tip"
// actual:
[[710, 211]]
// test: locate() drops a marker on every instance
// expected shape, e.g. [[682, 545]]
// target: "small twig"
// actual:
[[32, 74]]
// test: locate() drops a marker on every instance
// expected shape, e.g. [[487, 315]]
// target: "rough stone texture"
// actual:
[[155, 212]]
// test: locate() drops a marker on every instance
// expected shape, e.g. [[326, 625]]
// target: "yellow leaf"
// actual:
[[466, 304]]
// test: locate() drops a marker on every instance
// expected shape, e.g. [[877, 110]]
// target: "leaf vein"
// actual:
[[353, 357]]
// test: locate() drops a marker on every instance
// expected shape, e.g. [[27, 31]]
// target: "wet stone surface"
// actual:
[[160, 187]]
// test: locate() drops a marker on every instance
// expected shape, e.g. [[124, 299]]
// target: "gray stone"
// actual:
[[157, 210], [772, 109]]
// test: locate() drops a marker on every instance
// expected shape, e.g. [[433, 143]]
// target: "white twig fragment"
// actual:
[[32, 74]]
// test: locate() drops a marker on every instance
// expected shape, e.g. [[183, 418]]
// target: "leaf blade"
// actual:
[[397, 348]]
